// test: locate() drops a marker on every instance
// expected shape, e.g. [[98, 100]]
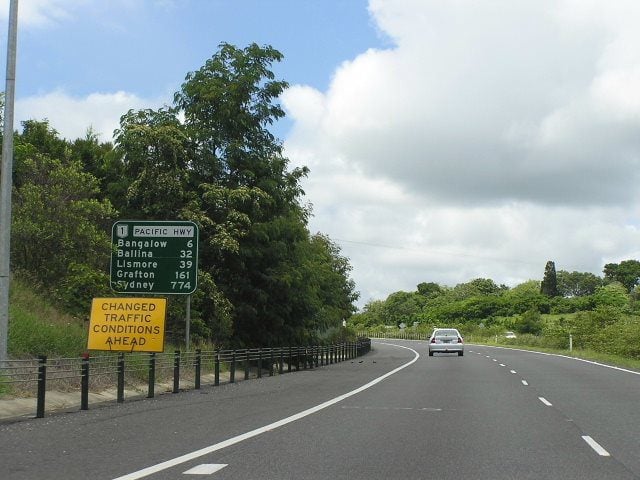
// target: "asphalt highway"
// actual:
[[395, 413]]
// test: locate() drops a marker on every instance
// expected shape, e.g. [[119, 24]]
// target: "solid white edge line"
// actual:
[[545, 401], [596, 446], [272, 426]]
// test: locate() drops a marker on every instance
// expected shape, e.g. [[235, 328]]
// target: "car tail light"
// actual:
[[460, 340], [433, 340]]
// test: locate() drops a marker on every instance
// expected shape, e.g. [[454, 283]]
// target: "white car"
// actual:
[[509, 335], [446, 340]]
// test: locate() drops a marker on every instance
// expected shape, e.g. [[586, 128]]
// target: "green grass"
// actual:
[[36, 327]]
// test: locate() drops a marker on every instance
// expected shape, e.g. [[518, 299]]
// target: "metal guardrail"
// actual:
[[150, 368]]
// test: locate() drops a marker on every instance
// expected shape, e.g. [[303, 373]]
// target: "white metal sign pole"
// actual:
[[6, 180]]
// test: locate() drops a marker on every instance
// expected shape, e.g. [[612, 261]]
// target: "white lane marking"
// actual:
[[567, 356], [545, 401], [206, 469], [423, 409], [488, 356], [494, 359], [502, 365], [596, 446], [513, 371], [524, 382], [272, 426]]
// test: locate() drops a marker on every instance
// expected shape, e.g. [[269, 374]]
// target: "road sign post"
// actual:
[[154, 257]]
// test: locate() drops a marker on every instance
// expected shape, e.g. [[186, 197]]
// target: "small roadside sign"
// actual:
[[127, 324]]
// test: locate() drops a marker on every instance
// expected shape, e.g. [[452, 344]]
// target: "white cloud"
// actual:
[[492, 137], [72, 116], [41, 13]]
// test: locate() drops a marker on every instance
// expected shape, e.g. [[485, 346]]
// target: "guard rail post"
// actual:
[[84, 382], [176, 371], [120, 393], [216, 373], [42, 385], [259, 363], [232, 369], [289, 361], [246, 365], [281, 363], [271, 360], [198, 369], [152, 375]]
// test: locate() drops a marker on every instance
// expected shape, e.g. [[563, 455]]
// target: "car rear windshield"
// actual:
[[446, 333]]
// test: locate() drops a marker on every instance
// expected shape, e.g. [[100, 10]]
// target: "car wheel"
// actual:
[[430, 353], [460, 354]]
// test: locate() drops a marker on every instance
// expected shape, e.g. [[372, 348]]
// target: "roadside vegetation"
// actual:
[[600, 316], [264, 279]]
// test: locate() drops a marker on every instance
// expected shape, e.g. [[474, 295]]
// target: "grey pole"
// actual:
[[6, 179], [187, 330]]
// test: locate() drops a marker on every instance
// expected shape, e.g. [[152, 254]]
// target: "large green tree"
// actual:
[[626, 272], [577, 284], [60, 224], [549, 285]]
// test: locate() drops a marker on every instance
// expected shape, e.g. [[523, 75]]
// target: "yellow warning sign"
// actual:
[[127, 324]]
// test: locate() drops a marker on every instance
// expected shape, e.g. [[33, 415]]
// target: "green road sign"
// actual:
[[154, 257]]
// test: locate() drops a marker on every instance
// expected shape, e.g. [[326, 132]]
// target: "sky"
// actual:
[[446, 140]]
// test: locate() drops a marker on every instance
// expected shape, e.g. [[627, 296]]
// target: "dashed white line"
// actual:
[[513, 371], [545, 401], [502, 365], [206, 469], [596, 446], [524, 382]]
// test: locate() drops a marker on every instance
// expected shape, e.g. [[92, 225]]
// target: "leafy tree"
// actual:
[[526, 296], [577, 284], [59, 224], [429, 289], [248, 206], [529, 322], [549, 285], [612, 295], [626, 272]]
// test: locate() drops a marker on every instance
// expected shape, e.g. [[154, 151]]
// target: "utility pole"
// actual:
[[6, 180]]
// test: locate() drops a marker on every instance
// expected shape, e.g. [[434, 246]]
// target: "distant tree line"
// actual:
[[577, 297], [210, 158]]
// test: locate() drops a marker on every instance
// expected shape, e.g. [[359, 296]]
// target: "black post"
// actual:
[[84, 383], [259, 363], [289, 362], [246, 365], [42, 385], [216, 372], [152, 375], [232, 370], [176, 371], [120, 395], [281, 363], [198, 368], [271, 360], [297, 359]]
